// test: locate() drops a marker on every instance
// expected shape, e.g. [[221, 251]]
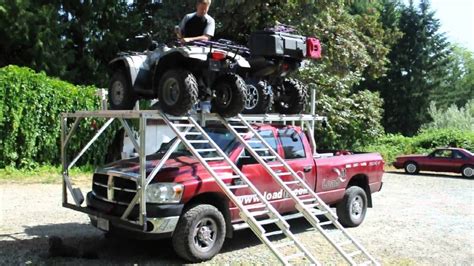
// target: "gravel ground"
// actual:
[[416, 220]]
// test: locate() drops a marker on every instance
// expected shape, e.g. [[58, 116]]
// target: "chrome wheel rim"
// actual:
[[252, 98], [205, 234], [468, 172], [357, 207], [170, 91], [411, 168]]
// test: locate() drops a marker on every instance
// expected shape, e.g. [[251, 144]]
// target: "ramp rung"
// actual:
[[221, 167], [193, 134], [254, 206], [318, 212], [267, 221], [274, 233], [355, 253], [268, 157], [238, 186], [275, 165], [312, 205], [214, 159], [238, 126], [198, 141], [341, 244], [326, 223], [183, 125], [205, 150], [254, 141], [260, 149], [294, 256], [284, 244], [292, 182], [243, 133], [308, 200], [227, 177], [257, 213]]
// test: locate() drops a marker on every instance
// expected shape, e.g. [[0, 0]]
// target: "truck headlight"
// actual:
[[164, 193]]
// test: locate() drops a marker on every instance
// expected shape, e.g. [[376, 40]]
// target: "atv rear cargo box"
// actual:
[[268, 43]]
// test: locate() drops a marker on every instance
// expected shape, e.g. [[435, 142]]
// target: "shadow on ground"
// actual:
[[431, 174], [15, 249]]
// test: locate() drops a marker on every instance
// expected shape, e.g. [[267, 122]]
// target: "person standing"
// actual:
[[197, 26]]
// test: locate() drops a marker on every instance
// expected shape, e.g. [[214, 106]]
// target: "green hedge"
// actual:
[[391, 146], [30, 108]]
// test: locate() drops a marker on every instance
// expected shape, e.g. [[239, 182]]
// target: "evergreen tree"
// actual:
[[418, 65]]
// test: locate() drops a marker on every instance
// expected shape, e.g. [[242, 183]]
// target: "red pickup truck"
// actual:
[[185, 202]]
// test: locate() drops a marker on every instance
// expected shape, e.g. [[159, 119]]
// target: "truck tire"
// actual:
[[230, 95], [293, 96], [259, 98], [411, 168], [200, 233], [353, 207], [467, 171], [121, 94], [177, 91]]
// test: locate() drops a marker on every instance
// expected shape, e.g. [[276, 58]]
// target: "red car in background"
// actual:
[[455, 160]]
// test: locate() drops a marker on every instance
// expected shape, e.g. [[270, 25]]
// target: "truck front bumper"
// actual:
[[161, 218]]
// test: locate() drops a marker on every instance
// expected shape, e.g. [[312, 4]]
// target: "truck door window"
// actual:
[[268, 136], [292, 145]]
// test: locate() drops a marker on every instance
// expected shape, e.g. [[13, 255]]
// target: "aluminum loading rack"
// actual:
[[186, 128]]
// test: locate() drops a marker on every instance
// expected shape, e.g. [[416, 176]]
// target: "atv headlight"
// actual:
[[164, 193]]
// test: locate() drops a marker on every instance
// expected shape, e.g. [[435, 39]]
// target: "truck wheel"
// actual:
[[467, 171], [411, 168], [200, 233], [353, 207], [177, 91], [259, 98], [292, 97], [121, 94], [229, 100]]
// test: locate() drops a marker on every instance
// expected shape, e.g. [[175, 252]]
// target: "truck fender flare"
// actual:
[[218, 200], [361, 181], [131, 65]]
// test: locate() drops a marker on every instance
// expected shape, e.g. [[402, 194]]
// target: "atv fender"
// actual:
[[200, 53], [133, 64]]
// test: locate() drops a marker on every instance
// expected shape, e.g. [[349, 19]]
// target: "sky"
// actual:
[[457, 20]]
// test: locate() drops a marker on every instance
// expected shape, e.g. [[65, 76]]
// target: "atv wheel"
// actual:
[[230, 96], [259, 98], [177, 91], [200, 233], [121, 95], [292, 97]]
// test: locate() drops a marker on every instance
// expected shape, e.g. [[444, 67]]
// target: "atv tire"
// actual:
[[230, 95], [259, 98], [177, 91], [121, 94], [292, 97]]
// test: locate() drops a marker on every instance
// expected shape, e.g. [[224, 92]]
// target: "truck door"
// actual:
[[296, 157], [258, 175]]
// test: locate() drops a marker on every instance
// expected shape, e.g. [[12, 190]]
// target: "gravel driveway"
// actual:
[[416, 220]]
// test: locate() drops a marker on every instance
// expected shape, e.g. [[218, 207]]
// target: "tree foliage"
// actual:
[[453, 117], [418, 65]]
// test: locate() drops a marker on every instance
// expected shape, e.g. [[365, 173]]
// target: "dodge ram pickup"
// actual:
[[185, 203]]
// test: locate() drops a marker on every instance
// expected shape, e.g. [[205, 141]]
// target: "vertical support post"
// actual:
[[142, 180], [313, 113], [64, 162]]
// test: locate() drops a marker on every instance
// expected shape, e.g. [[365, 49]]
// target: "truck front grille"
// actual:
[[114, 189]]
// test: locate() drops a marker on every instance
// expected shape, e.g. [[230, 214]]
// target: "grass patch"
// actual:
[[44, 175]]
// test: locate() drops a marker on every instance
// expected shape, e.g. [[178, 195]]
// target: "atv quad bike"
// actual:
[[179, 77], [273, 55]]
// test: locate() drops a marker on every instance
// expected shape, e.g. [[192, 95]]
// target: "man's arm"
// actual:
[[197, 38], [207, 34]]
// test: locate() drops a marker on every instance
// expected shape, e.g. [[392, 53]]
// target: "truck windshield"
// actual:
[[221, 136]]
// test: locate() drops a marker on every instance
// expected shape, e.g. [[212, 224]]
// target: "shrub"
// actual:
[[30, 108], [454, 117]]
